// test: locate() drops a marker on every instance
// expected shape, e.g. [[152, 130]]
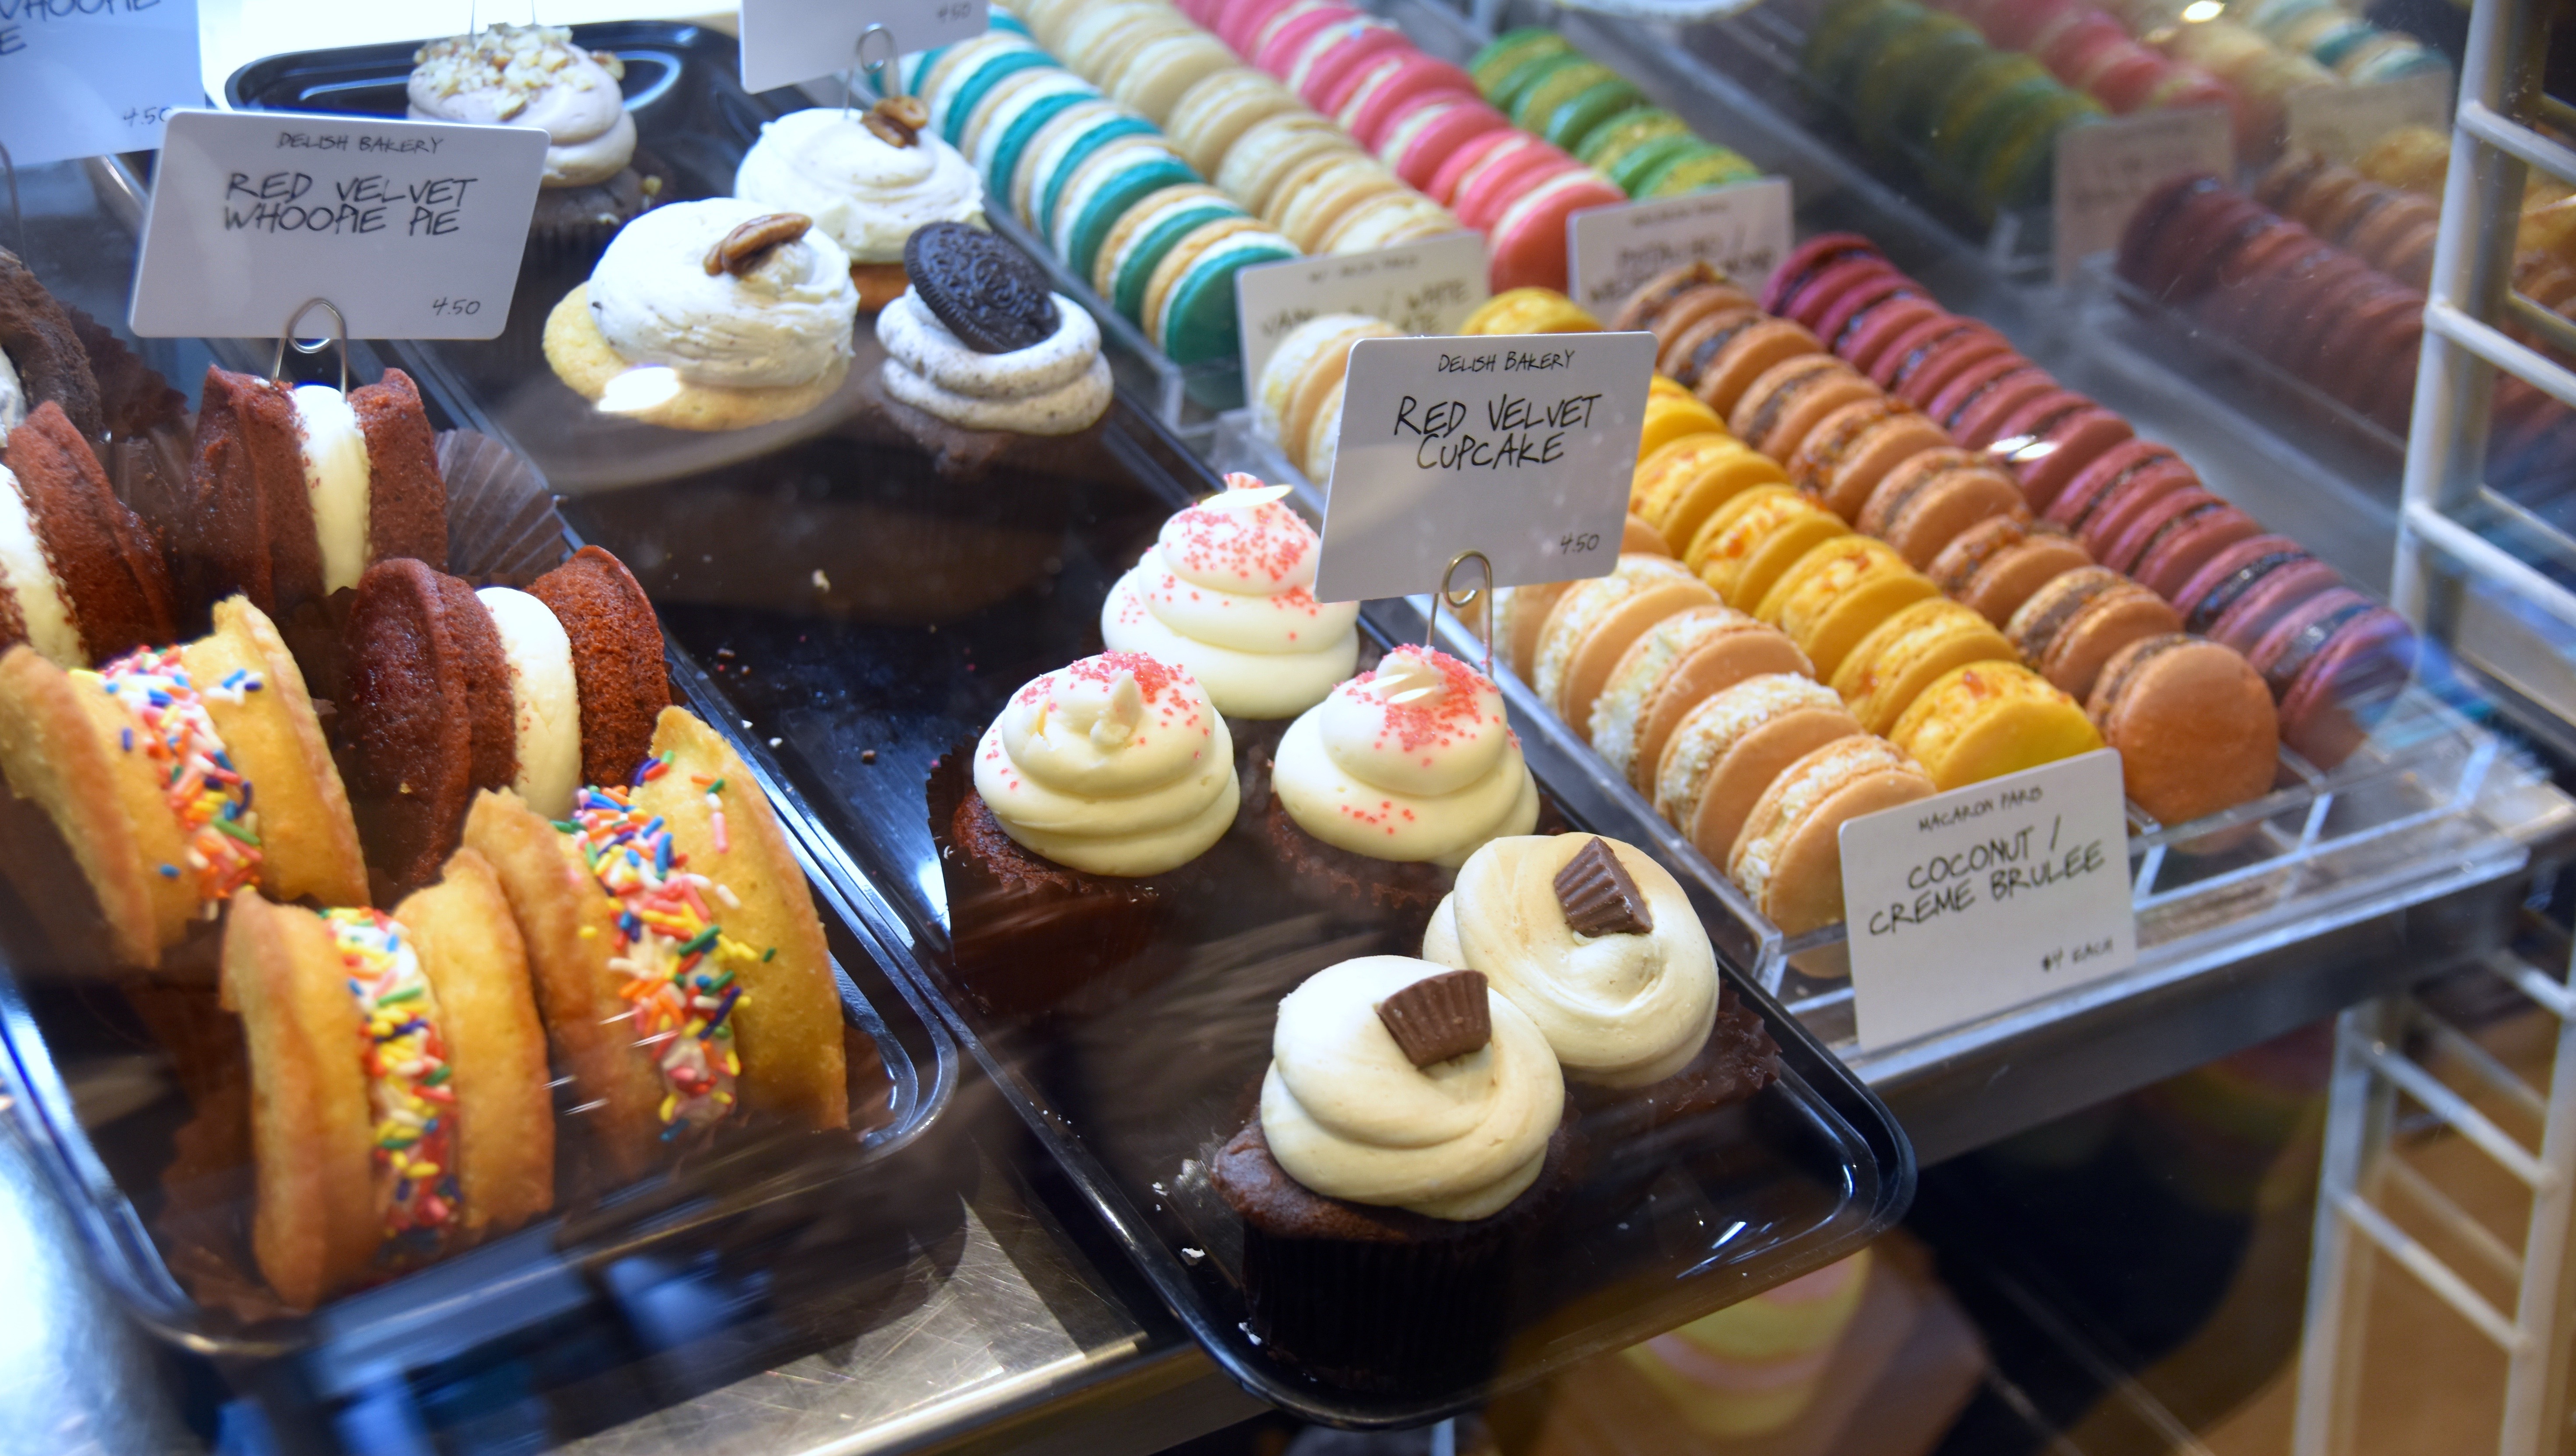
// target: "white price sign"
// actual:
[[1983, 898], [1421, 288], [1516, 446], [2106, 169], [788, 41], [1741, 230], [412, 229], [81, 78], [2340, 122]]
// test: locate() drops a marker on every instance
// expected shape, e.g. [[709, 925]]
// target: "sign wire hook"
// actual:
[[1459, 601], [339, 335], [892, 84]]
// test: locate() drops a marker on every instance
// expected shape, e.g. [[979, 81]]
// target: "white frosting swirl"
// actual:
[[785, 322], [530, 75], [1349, 1116], [13, 396], [1618, 1010], [867, 193], [1226, 591], [29, 578], [1413, 761], [1053, 387], [545, 699], [339, 478], [1116, 765]]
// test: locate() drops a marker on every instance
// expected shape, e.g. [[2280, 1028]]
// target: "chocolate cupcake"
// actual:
[[1074, 822], [978, 340], [1379, 792], [1411, 1138]]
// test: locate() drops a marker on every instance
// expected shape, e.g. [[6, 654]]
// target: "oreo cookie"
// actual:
[[987, 292]]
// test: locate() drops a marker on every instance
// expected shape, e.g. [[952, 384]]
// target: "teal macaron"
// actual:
[[1017, 121], [1057, 158], [971, 82], [1196, 321], [1130, 261], [1111, 182]]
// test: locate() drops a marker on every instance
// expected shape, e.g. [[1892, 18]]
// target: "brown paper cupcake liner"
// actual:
[[502, 525]]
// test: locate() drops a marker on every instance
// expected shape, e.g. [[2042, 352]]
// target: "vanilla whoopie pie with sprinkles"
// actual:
[[980, 341], [400, 1110], [679, 964]]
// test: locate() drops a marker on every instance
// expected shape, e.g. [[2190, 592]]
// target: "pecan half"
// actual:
[[897, 120], [740, 251]]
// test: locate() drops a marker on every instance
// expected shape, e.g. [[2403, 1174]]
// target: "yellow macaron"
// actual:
[[1881, 677], [1688, 494], [1747, 543], [1530, 311], [1836, 594], [1989, 719], [1671, 417]]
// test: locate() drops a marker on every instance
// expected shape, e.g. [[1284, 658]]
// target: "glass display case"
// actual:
[[1085, 1076]]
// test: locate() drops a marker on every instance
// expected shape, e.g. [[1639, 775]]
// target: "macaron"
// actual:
[[2335, 667], [1933, 498], [1670, 417], [1727, 364], [1684, 484], [1572, 121], [1512, 49], [1970, 387], [1594, 623], [1016, 122], [1677, 664], [1981, 417], [1990, 719], [1866, 340], [1637, 534], [1850, 451], [1888, 669], [1109, 183], [1306, 208], [1922, 368], [2072, 624], [1697, 280], [2186, 537], [1561, 80], [2194, 723], [1148, 231], [1528, 241], [1303, 367], [1156, 75], [2078, 506], [1747, 543], [2122, 549], [1276, 44], [1780, 409], [2240, 592], [1189, 309], [1789, 858], [1329, 56], [1213, 114], [957, 97], [1838, 593], [1807, 261], [1383, 221], [1817, 294], [1502, 174], [1471, 156], [1419, 141], [1995, 565], [1520, 614], [1273, 147], [1062, 146], [1530, 311], [1726, 751], [1844, 315], [1389, 84], [2047, 464], [1616, 138]]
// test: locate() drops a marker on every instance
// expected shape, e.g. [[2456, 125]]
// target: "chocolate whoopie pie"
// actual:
[[37, 335]]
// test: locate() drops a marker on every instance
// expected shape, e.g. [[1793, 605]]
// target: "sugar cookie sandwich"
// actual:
[[80, 577], [180, 776], [680, 967], [452, 690], [294, 490], [399, 1100]]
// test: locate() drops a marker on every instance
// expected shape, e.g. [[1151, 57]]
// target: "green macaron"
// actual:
[[1619, 135], [1111, 185], [1578, 116], [1507, 93], [1511, 50], [1197, 321], [1154, 238], [1630, 172], [1536, 103], [2021, 169], [1712, 166], [968, 86]]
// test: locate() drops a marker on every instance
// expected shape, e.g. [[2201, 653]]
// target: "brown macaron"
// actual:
[[1684, 312], [2195, 726], [1994, 565], [1647, 307], [1685, 354], [1778, 411], [1751, 352], [1927, 502], [1850, 451], [2071, 626]]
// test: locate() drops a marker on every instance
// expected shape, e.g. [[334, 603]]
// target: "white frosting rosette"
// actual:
[[786, 321], [1226, 590], [529, 75], [1348, 1115], [1053, 387], [1115, 765], [1414, 761], [868, 193], [1620, 1010]]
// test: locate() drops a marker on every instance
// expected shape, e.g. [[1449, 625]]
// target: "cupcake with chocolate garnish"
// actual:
[[1226, 590], [1598, 945], [871, 179], [1075, 822], [1379, 792], [533, 75], [452, 691], [980, 341], [710, 315], [1411, 1138]]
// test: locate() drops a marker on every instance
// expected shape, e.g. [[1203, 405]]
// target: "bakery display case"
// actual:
[[1180, 1068]]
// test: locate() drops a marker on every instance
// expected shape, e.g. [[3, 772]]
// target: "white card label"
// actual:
[[2340, 122], [788, 41], [412, 229], [1421, 288], [1741, 230], [2105, 170], [82, 78], [1986, 897], [1517, 446]]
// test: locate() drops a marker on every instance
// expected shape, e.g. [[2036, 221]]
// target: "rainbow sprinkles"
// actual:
[[206, 793]]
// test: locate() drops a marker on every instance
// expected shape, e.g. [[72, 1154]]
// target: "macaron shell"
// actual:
[[2169, 562], [1990, 719], [1882, 676], [1811, 301], [1682, 355], [1504, 175], [1747, 357], [2194, 724], [1777, 417], [1421, 141], [2252, 616], [1879, 451], [1197, 320], [2329, 711], [1216, 112], [2106, 624], [1922, 373], [1974, 382], [1637, 536], [1806, 886], [1808, 259], [1751, 540], [1738, 780], [1588, 667], [2230, 574], [1529, 239], [1700, 674], [1883, 325], [1928, 518], [2084, 497], [1980, 421], [1525, 610], [2010, 577], [2129, 501], [1687, 511], [1838, 594], [2077, 442], [1681, 316], [1851, 308]]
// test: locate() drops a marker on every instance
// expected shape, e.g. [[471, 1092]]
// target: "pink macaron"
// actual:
[[1808, 304], [2091, 486], [1468, 158], [1506, 176], [1871, 333], [1388, 83], [2045, 466], [1335, 51], [1978, 421], [1922, 371], [2130, 500], [1237, 21], [1851, 309], [2335, 662], [1527, 242], [1276, 44], [2268, 590], [2032, 419], [1964, 385], [1806, 262], [1424, 137], [2149, 525]]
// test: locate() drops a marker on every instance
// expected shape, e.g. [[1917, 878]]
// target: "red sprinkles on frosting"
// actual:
[[1269, 541], [1438, 719]]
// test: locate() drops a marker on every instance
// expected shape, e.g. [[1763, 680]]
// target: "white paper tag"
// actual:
[[787, 41], [2105, 170], [1741, 230], [82, 78], [412, 229], [1517, 446], [1421, 288], [1985, 897], [2340, 122]]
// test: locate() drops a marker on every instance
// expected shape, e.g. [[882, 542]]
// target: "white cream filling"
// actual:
[[545, 701], [50, 629], [339, 477], [13, 396]]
